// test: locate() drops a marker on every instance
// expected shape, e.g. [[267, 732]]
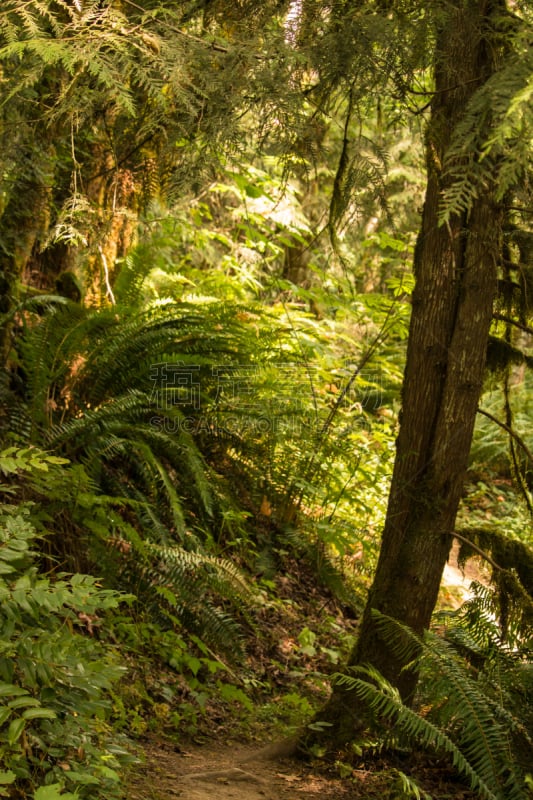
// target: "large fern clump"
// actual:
[[124, 393], [473, 716], [131, 398]]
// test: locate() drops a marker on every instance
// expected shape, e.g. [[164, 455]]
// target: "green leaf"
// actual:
[[15, 730], [23, 702], [10, 690], [193, 663], [83, 778], [42, 465], [53, 792], [8, 465], [5, 713], [232, 693], [9, 553], [39, 713], [109, 773], [253, 191]]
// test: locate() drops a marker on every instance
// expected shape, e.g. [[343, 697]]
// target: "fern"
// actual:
[[188, 588], [468, 720], [512, 603], [468, 711], [502, 661], [491, 144], [92, 396], [385, 701]]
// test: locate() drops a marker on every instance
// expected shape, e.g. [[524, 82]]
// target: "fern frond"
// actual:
[[492, 144], [385, 701], [183, 586], [231, 582], [480, 725]]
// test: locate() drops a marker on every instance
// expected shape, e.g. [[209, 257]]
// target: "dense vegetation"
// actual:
[[221, 226]]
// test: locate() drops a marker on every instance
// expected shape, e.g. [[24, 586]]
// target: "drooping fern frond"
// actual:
[[192, 589], [512, 603], [497, 123], [474, 724], [379, 695]]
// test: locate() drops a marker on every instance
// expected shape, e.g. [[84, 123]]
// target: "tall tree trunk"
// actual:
[[456, 283]]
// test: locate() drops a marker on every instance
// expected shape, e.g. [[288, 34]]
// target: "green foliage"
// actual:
[[54, 678], [499, 650], [98, 391], [407, 787], [493, 141], [502, 447], [229, 244], [193, 589], [512, 602], [85, 375], [102, 390], [219, 123], [173, 680], [494, 628], [14, 460], [378, 694], [470, 716], [273, 396], [177, 589], [139, 103]]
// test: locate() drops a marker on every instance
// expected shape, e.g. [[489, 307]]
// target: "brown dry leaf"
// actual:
[[288, 778]]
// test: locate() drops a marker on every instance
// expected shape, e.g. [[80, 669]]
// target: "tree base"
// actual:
[[342, 721]]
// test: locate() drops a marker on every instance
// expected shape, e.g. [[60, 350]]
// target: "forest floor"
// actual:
[[221, 770], [230, 772], [247, 758]]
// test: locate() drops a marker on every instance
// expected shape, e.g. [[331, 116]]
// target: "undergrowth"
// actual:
[[472, 694], [56, 737]]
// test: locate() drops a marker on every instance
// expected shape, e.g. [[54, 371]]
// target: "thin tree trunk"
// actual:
[[456, 284]]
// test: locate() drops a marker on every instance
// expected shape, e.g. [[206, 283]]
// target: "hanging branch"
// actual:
[[514, 435], [483, 553], [514, 323], [515, 439]]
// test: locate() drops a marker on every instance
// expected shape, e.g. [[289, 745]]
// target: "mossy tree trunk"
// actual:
[[456, 284]]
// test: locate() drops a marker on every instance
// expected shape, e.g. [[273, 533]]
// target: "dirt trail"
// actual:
[[222, 770], [226, 772]]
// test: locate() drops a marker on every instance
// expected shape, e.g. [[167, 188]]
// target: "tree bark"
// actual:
[[456, 283]]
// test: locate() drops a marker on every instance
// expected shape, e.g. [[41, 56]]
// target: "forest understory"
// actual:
[[251, 754]]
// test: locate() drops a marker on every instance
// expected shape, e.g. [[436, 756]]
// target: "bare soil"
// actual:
[[229, 771], [222, 771]]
